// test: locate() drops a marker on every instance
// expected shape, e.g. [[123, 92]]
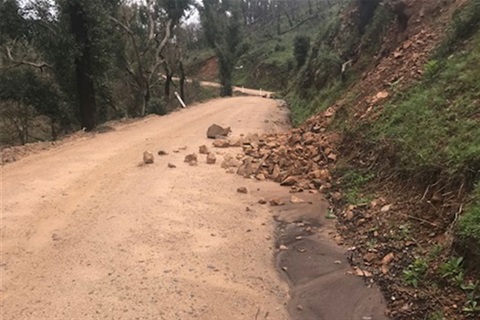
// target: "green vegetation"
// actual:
[[222, 25], [434, 124], [453, 271], [354, 182], [469, 224], [415, 272]]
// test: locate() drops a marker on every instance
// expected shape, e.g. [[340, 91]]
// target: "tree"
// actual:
[[148, 29], [221, 21], [301, 47]]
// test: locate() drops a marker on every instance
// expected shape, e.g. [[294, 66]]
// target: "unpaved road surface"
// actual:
[[88, 233]]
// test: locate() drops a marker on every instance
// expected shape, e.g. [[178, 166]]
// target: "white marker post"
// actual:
[[180, 100]]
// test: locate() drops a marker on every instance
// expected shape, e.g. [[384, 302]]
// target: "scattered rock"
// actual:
[[242, 190], [221, 143], [147, 157], [262, 201], [283, 247], [190, 158], [211, 159], [369, 257], [183, 148], [162, 153], [170, 165], [289, 181], [386, 208], [230, 162], [276, 202], [203, 149], [296, 200], [215, 131]]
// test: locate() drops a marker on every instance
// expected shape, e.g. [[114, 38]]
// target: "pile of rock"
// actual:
[[300, 158]]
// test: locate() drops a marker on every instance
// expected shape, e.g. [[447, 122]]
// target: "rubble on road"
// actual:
[[147, 157], [211, 158]]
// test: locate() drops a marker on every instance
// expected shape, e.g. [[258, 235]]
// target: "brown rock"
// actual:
[[170, 165], [260, 177], [221, 143], [215, 131], [242, 190], [236, 142], [211, 159], [369, 257], [147, 157], [190, 158], [296, 200], [262, 201], [276, 202], [162, 153], [388, 258], [203, 149], [289, 181], [230, 162]]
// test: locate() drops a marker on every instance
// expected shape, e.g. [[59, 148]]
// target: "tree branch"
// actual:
[[40, 65]]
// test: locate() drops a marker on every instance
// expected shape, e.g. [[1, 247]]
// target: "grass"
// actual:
[[469, 224], [436, 125], [353, 182], [302, 109]]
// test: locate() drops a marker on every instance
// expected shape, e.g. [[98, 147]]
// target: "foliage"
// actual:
[[452, 270], [301, 47], [465, 22], [222, 25], [415, 272]]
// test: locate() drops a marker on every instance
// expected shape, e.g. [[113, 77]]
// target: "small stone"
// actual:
[[147, 157], [283, 247], [221, 143], [386, 208], [276, 202], [170, 165], [296, 200], [242, 190], [211, 159], [190, 157], [162, 153], [183, 148], [369, 257], [260, 177], [289, 181], [176, 151], [262, 201], [203, 149], [299, 307]]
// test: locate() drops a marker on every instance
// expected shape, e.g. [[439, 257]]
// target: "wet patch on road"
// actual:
[[317, 269]]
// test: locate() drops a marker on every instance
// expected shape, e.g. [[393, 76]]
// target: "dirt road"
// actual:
[[87, 233]]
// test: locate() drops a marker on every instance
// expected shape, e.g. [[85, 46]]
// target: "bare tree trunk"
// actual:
[[84, 81]]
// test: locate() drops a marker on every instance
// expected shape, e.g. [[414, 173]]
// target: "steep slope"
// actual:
[[394, 86]]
